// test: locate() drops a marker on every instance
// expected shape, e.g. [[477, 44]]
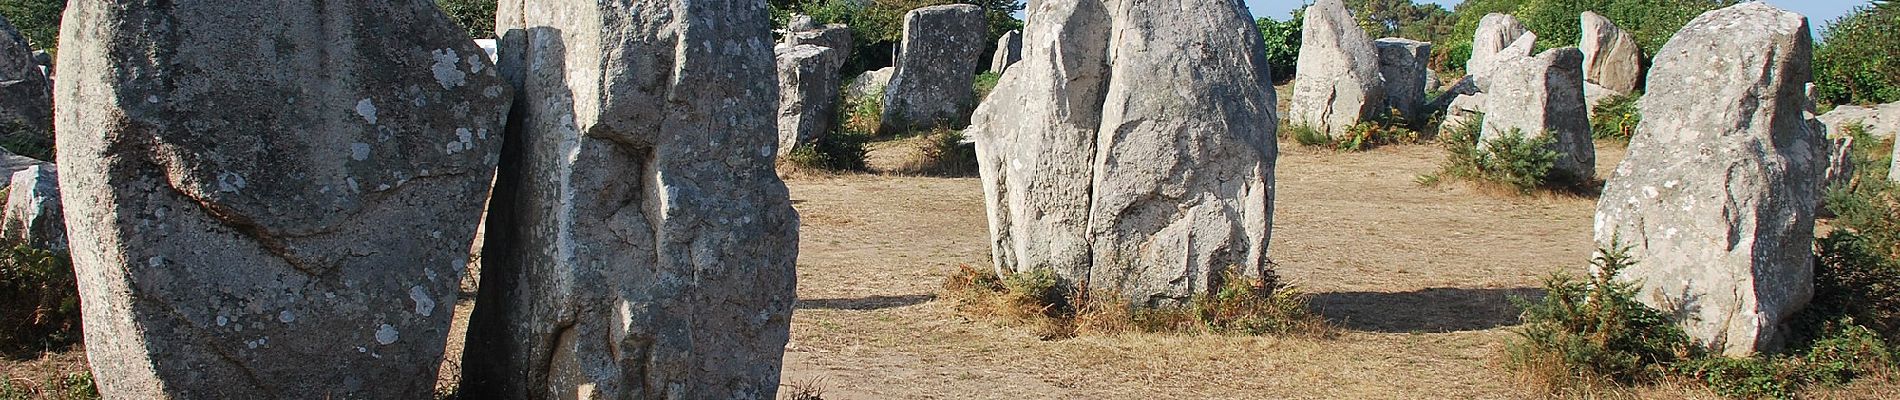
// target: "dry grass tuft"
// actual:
[[1040, 301]]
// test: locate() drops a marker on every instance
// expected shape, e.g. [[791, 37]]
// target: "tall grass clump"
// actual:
[[1366, 135], [1615, 118], [942, 152], [1055, 309]]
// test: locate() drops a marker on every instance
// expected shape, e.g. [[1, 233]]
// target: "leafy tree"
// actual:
[[1854, 63], [477, 16], [38, 20], [1282, 43]]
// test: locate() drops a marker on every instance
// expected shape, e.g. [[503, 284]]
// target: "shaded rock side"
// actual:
[[33, 215], [1717, 203], [255, 230], [934, 83], [26, 96], [1402, 64], [639, 243], [1337, 84], [1009, 50]]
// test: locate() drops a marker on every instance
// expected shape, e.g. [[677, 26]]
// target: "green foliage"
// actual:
[[1854, 281], [1853, 63], [1616, 117], [1282, 40], [1306, 135], [37, 20], [878, 25], [1558, 24], [26, 142], [985, 83], [863, 114], [1402, 18], [1367, 135], [943, 153], [39, 300], [74, 386], [1512, 159], [476, 16], [837, 151], [1589, 331]]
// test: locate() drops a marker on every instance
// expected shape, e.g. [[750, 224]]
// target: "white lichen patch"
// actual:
[[424, 306], [386, 334], [230, 182], [366, 109], [359, 151], [445, 69], [286, 317]]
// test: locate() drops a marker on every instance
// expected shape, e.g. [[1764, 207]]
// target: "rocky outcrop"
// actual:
[[26, 96], [808, 94], [1337, 83], [935, 81], [1149, 173], [1611, 58], [639, 243], [1717, 203], [33, 215], [1496, 33], [256, 230], [1543, 96], [1009, 50], [1402, 64]]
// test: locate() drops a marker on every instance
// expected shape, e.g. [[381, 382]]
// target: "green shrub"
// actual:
[[475, 16], [1853, 281], [74, 386], [1557, 22], [941, 152], [838, 151], [1306, 135], [39, 300], [1586, 332], [1282, 40], [863, 114], [1512, 159], [1853, 63], [1616, 117], [37, 20], [985, 83]]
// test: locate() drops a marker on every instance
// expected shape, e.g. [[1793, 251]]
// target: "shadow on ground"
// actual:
[[1429, 310], [865, 303]]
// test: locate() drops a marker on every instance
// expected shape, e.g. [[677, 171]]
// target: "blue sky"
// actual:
[[1818, 11]]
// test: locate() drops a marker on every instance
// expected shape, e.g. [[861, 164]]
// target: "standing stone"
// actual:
[[1149, 173], [837, 37], [26, 96], [1611, 57], [1882, 121], [1543, 96], [869, 83], [1496, 33], [255, 230], [1402, 63], [935, 81], [640, 244], [33, 215], [1717, 203], [1009, 50], [808, 94], [1337, 82]]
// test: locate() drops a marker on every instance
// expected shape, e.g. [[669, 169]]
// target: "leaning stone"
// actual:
[[1009, 50], [1067, 146], [1717, 202], [1839, 171], [1543, 96], [808, 94], [33, 215], [1495, 33], [1611, 57], [640, 244], [1402, 64], [935, 82], [255, 230], [1337, 84], [26, 96]]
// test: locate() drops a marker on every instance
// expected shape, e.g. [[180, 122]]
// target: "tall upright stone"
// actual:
[[1149, 173], [639, 243], [1496, 33], [935, 81], [26, 96], [1402, 64], [1009, 50], [252, 229], [807, 94], [1611, 57], [1717, 202], [1337, 83], [1543, 96]]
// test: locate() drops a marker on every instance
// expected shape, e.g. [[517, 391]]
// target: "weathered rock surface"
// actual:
[[869, 83], [256, 230], [1402, 64], [934, 84], [1593, 95], [11, 163], [1496, 32], [33, 215], [1337, 84], [808, 94], [1150, 173], [26, 96], [1880, 121], [639, 243], [1461, 109], [836, 37], [1611, 57], [1543, 96], [1009, 50], [1717, 203]]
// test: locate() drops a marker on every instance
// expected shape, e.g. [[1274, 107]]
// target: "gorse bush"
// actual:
[[39, 300], [863, 114], [1591, 332], [1056, 309], [1616, 117], [838, 151], [1854, 62], [38, 20], [1513, 159]]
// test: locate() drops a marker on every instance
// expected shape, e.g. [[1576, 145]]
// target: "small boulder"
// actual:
[[935, 82], [1543, 96], [1337, 83], [836, 37], [33, 215], [1716, 203], [1611, 57]]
